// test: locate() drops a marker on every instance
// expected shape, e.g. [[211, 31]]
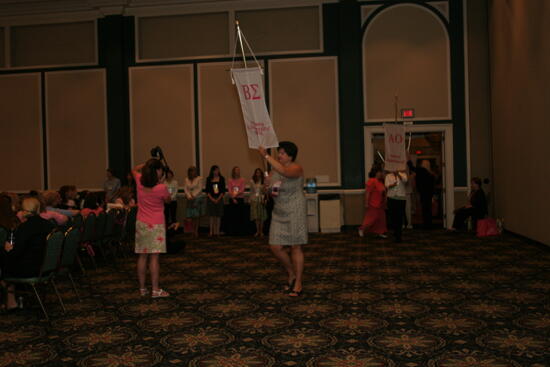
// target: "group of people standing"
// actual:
[[385, 191], [390, 197], [212, 202], [288, 229]]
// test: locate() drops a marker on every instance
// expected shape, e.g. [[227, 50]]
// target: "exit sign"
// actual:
[[407, 113]]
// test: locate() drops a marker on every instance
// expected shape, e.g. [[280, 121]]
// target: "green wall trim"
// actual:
[[348, 14], [115, 42]]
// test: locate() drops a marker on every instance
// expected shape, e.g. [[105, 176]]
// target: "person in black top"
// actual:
[[425, 184], [476, 207], [23, 257], [8, 218], [215, 189]]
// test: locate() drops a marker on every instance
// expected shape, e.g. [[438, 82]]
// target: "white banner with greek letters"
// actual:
[[394, 144], [256, 118]]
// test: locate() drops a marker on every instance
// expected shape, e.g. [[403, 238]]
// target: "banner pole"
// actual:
[[395, 106], [381, 157], [241, 42]]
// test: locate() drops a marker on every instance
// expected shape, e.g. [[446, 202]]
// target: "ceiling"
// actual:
[[25, 8]]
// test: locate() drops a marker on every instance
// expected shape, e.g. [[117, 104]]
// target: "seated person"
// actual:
[[52, 200], [59, 218], [68, 196], [123, 199], [24, 257], [8, 218], [91, 205], [476, 207]]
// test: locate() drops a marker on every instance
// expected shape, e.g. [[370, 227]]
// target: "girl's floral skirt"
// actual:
[[150, 238]]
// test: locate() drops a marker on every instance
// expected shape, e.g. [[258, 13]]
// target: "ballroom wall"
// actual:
[[519, 59]]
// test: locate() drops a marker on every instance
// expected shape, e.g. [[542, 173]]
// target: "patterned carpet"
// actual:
[[435, 300]]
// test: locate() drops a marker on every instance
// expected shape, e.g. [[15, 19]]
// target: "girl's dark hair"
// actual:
[[169, 171], [261, 175], [149, 177], [212, 169], [63, 190], [374, 170], [125, 193], [477, 180], [91, 201], [290, 149], [233, 171], [8, 218], [190, 170]]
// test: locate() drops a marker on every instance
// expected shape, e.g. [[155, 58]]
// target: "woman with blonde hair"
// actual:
[[52, 200]]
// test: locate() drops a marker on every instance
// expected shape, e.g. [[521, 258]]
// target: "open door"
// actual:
[[426, 142]]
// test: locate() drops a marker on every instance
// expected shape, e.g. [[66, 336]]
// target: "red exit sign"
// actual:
[[407, 113]]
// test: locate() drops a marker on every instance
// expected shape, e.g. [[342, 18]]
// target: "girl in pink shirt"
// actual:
[[150, 241], [236, 217]]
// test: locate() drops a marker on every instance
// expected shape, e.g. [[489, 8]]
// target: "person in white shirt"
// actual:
[[171, 208], [194, 195], [397, 197]]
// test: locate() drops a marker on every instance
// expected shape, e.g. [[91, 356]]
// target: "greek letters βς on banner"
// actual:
[[394, 144], [256, 118]]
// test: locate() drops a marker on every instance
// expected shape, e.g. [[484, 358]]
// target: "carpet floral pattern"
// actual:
[[437, 300]]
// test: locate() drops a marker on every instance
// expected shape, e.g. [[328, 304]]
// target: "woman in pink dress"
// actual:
[[152, 194], [375, 203]]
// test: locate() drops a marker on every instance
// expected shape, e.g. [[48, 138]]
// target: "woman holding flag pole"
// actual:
[[289, 221]]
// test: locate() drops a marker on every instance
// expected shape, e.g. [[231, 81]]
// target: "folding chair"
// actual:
[[68, 256], [54, 246], [87, 239]]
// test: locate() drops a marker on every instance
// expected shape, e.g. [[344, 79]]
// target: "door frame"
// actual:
[[447, 130]]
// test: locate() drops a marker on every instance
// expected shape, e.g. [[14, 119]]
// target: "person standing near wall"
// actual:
[[397, 197], [425, 184], [289, 220], [215, 189], [235, 216], [258, 212], [374, 219], [172, 207], [195, 198], [410, 189], [150, 224]]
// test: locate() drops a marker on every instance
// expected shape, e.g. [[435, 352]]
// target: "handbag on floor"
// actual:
[[487, 227]]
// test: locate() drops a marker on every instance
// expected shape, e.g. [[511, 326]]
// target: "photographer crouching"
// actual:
[[150, 241]]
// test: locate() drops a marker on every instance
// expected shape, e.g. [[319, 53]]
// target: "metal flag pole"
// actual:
[[240, 39], [395, 106]]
